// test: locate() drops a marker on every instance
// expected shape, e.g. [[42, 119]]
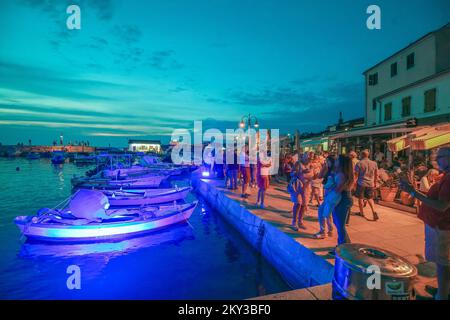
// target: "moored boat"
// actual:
[[144, 182], [145, 197], [58, 157], [91, 220], [33, 155]]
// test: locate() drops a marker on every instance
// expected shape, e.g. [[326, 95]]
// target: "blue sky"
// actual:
[[143, 68]]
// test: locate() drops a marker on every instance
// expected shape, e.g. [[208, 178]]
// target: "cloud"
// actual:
[[164, 60], [127, 34], [51, 83]]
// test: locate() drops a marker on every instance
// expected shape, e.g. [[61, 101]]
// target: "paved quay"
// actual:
[[396, 231]]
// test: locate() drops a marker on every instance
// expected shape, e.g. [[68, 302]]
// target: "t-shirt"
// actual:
[[431, 216], [366, 172]]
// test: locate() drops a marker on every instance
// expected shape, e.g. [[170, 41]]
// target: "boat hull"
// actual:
[[99, 232], [146, 198]]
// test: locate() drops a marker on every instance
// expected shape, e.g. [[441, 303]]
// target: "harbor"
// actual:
[[224, 158]]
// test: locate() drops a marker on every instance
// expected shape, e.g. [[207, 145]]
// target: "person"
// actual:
[[287, 168], [316, 184], [232, 169], [245, 171], [343, 185], [435, 213], [379, 156], [296, 191], [332, 198], [367, 173], [428, 180], [263, 172], [308, 174]]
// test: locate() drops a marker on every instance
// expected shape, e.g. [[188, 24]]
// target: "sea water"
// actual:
[[205, 259]]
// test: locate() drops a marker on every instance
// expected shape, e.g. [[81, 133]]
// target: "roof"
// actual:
[[145, 141], [408, 46]]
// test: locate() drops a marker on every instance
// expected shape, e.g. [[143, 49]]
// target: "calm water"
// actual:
[[207, 260]]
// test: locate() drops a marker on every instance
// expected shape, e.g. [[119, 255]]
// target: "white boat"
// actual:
[[88, 218], [142, 182], [129, 197]]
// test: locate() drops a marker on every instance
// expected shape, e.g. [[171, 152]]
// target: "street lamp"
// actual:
[[248, 118]]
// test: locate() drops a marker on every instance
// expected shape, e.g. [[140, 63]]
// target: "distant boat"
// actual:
[[58, 157], [84, 158], [33, 155]]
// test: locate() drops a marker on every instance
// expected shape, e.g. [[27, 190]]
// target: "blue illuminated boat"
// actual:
[[58, 157], [33, 155], [62, 227]]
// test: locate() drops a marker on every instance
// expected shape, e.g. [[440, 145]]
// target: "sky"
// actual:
[[140, 69]]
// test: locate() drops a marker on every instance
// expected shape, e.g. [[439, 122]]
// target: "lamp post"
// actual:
[[247, 120]]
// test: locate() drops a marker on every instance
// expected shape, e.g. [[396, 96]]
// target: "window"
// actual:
[[373, 79], [374, 104], [410, 61], [393, 69], [406, 107], [388, 111], [430, 100]]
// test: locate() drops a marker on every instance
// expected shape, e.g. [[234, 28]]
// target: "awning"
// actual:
[[435, 137], [313, 142], [422, 139], [387, 129]]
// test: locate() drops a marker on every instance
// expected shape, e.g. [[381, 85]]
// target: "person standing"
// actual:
[[435, 213], [367, 175], [263, 172], [343, 185], [296, 191], [244, 165]]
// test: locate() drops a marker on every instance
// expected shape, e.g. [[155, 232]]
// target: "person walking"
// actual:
[[435, 213], [343, 185], [367, 175]]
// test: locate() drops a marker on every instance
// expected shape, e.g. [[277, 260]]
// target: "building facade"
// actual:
[[413, 84], [144, 146]]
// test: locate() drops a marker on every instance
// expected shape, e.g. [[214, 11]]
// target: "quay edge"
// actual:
[[297, 264]]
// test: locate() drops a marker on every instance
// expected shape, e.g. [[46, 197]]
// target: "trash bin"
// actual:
[[364, 272]]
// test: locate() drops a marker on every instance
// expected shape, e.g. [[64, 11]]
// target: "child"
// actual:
[[332, 199]]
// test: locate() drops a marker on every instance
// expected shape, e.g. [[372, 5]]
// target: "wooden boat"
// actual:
[[58, 157], [143, 182], [33, 155], [60, 226], [129, 197]]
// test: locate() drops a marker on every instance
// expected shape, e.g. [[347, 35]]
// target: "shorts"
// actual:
[[245, 171], [437, 245], [263, 182], [363, 192]]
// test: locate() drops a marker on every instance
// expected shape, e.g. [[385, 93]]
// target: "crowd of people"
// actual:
[[331, 182]]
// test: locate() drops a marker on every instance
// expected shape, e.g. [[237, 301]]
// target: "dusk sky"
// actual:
[[139, 69]]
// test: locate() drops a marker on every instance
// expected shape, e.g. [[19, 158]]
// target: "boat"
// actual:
[[95, 182], [84, 158], [88, 218], [33, 155], [130, 198], [58, 157]]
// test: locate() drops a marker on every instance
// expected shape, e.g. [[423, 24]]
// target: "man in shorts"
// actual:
[[367, 173]]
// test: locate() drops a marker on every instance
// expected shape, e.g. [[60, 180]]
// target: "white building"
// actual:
[[413, 83], [144, 146]]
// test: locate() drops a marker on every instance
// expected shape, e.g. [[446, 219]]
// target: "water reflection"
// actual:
[[175, 235]]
